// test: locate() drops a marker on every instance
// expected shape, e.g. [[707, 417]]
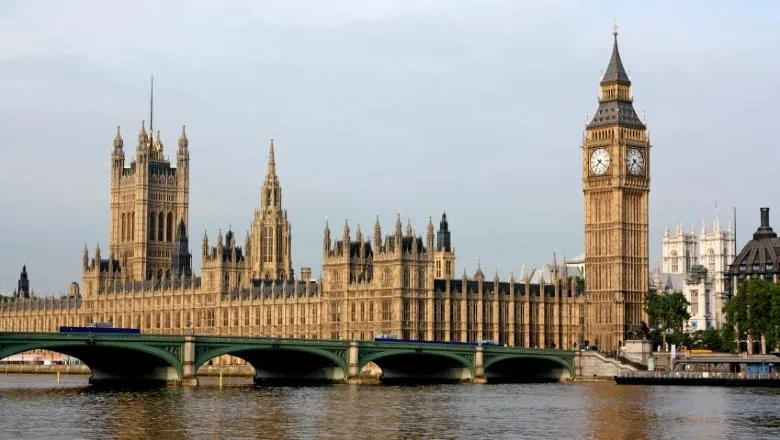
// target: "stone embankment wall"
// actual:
[[591, 364]]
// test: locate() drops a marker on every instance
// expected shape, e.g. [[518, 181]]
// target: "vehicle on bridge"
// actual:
[[99, 329], [394, 338]]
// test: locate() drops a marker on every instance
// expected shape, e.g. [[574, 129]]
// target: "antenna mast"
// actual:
[[151, 107]]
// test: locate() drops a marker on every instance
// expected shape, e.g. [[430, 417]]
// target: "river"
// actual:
[[38, 407]]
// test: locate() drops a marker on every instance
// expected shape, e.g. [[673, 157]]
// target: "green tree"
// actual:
[[755, 312], [667, 312]]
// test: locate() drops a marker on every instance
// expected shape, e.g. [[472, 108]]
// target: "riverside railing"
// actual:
[[703, 375]]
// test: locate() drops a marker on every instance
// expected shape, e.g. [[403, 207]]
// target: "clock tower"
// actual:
[[616, 185]]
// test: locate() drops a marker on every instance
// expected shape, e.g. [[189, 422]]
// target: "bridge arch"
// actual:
[[527, 368], [420, 365], [111, 361], [277, 363]]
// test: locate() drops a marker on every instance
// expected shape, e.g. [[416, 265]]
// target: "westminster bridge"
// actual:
[[175, 359]]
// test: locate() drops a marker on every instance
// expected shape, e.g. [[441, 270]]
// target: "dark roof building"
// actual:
[[760, 258]]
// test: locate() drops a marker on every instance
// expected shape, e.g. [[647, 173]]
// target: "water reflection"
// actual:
[[617, 412], [39, 407]]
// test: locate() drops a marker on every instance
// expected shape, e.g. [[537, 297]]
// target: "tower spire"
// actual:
[[615, 71]]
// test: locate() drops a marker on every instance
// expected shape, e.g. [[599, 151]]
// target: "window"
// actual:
[[711, 260], [694, 302], [268, 316], [386, 312], [673, 257], [386, 277], [268, 244]]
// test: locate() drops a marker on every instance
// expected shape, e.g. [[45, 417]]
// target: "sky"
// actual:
[[379, 108]]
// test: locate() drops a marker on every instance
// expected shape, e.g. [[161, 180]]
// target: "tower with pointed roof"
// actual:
[[616, 186], [444, 254], [269, 252]]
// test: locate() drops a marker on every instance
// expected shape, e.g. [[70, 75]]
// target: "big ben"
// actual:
[[616, 185]]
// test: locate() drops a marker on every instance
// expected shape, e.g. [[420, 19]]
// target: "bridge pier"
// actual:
[[353, 363], [479, 365], [189, 376]]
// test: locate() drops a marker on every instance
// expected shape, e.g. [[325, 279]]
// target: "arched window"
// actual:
[[711, 260], [675, 266], [386, 277], [169, 227], [123, 227], [268, 244], [152, 223], [160, 226]]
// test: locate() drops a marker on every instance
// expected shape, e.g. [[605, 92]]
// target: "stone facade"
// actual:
[[401, 283], [696, 264], [616, 185]]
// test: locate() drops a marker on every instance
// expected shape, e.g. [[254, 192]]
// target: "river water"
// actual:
[[38, 407]]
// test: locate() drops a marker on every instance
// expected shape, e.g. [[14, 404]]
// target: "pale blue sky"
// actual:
[[419, 106]]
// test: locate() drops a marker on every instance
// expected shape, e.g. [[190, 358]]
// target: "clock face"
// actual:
[[599, 161], [635, 162]]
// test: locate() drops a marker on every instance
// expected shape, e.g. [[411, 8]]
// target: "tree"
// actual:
[[755, 311], [667, 312]]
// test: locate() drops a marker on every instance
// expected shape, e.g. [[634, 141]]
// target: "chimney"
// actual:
[[305, 273]]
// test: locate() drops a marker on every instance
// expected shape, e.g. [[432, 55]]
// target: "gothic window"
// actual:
[[291, 316], [132, 226], [226, 284], [303, 315], [123, 228], [362, 311], [160, 227], [407, 276], [314, 315], [152, 222], [675, 266], [386, 277], [421, 280], [268, 244], [711, 260], [268, 316], [352, 314], [169, 227]]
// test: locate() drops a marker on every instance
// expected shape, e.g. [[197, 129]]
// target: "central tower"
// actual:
[[616, 185], [270, 238]]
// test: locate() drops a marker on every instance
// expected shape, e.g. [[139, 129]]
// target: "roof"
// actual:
[[761, 255], [615, 70], [616, 112]]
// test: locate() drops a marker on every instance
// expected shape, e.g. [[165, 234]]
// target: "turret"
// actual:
[[377, 235], [85, 258], [118, 153], [443, 236], [345, 239], [326, 239], [429, 236], [205, 246]]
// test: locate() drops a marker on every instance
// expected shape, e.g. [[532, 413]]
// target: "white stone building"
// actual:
[[695, 264]]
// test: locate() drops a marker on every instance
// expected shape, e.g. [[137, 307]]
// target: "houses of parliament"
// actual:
[[399, 282]]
